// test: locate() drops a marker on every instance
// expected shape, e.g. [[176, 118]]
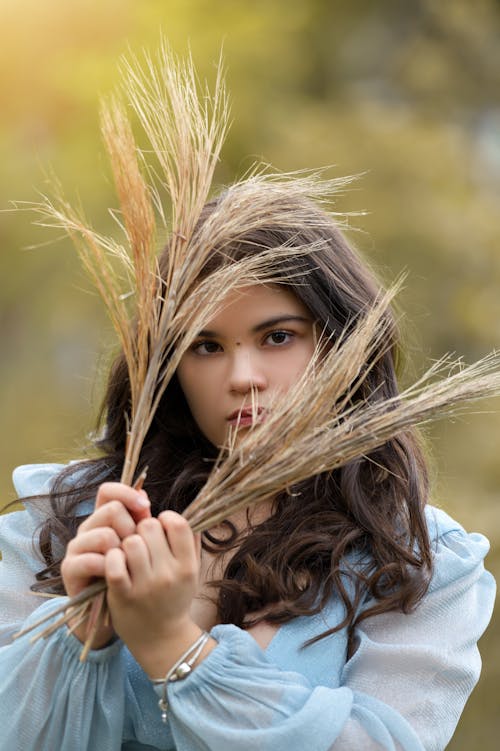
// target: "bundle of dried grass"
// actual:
[[319, 426], [304, 436]]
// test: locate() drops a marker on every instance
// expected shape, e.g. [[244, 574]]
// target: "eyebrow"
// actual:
[[209, 333]]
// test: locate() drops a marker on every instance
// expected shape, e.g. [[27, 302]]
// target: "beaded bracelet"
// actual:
[[180, 670]]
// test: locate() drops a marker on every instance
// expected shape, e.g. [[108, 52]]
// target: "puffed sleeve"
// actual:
[[49, 699], [425, 664], [18, 533], [404, 688]]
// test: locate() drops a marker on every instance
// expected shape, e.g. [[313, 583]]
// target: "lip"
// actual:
[[245, 417]]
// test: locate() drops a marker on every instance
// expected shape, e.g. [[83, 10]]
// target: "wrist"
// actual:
[[182, 668], [157, 656]]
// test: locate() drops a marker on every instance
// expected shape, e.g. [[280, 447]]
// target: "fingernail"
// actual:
[[143, 500]]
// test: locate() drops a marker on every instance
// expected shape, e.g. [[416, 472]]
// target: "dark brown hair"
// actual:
[[358, 533]]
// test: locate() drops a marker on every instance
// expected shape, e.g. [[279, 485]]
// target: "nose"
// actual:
[[246, 373]]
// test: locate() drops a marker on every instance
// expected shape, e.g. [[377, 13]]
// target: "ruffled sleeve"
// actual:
[[404, 688]]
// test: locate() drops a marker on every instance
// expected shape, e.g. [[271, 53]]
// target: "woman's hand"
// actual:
[[118, 509], [151, 567], [152, 580]]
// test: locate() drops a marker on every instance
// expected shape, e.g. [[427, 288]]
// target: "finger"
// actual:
[[116, 573], [114, 515], [136, 501], [180, 537], [98, 540], [137, 558], [153, 534], [78, 570]]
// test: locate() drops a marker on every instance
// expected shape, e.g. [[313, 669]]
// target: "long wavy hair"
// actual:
[[358, 533]]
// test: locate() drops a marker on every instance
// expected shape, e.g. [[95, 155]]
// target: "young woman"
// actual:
[[344, 614]]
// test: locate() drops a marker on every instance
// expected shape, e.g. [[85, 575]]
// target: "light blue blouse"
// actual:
[[404, 687]]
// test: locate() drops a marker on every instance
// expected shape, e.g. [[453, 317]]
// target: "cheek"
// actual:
[[202, 395], [198, 389], [297, 364]]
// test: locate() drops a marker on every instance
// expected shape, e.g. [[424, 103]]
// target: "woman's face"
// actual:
[[262, 340]]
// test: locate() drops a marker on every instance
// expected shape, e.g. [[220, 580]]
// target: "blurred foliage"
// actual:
[[404, 92]]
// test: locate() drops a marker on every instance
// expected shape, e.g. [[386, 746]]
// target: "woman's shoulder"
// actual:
[[439, 523], [35, 482], [457, 553], [35, 479]]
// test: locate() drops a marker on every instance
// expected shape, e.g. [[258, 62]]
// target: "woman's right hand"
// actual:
[[118, 510]]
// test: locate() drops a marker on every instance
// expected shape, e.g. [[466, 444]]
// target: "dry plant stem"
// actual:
[[267, 462], [249, 475], [97, 615], [186, 131], [73, 607], [316, 428], [241, 481], [343, 365], [82, 618], [206, 301]]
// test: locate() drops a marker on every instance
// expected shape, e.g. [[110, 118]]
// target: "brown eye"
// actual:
[[206, 348], [279, 337]]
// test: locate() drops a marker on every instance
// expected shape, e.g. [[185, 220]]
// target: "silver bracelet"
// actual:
[[180, 670]]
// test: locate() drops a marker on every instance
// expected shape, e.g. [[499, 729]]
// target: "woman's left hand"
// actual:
[[152, 580]]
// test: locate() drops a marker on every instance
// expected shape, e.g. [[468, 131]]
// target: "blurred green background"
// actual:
[[405, 92]]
